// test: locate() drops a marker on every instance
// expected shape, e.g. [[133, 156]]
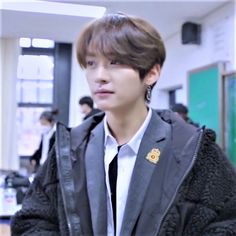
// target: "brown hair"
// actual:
[[131, 40], [49, 115], [127, 39]]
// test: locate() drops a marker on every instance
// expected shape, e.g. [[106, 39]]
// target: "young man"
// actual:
[[130, 170], [86, 106]]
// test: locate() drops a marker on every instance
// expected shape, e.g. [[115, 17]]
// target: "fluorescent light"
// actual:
[[57, 8], [25, 42], [42, 43]]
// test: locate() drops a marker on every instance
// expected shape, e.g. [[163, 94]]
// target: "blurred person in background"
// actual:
[[86, 107], [47, 129], [182, 110]]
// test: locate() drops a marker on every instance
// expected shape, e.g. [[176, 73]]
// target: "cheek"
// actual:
[[89, 82], [82, 108], [88, 76], [131, 91]]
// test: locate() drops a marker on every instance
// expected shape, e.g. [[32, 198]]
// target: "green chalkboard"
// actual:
[[230, 116], [204, 97]]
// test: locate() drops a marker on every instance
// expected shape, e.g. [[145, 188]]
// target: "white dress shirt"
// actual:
[[126, 160], [45, 144]]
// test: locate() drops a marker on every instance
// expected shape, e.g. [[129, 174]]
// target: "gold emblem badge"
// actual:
[[154, 155]]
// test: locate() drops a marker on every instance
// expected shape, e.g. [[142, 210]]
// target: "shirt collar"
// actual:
[[135, 141]]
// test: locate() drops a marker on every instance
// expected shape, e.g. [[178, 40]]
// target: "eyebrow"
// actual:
[[94, 54], [90, 54]]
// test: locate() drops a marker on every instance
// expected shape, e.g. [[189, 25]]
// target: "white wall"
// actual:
[[79, 88], [1, 103], [9, 56], [218, 44]]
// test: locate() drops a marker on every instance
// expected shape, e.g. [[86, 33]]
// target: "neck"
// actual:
[[123, 126]]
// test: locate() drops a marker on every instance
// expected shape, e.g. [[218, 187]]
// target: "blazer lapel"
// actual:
[[95, 174], [154, 138]]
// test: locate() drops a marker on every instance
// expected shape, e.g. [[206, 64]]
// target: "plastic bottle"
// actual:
[[9, 199]]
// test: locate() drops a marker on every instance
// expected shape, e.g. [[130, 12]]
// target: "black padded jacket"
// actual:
[[203, 205]]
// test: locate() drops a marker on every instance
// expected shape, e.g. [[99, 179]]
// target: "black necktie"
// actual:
[[112, 180]]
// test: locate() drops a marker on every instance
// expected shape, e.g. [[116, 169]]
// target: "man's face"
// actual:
[[114, 86], [85, 109]]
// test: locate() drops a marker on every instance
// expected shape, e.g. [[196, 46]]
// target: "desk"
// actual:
[[5, 227], [8, 206], [7, 209]]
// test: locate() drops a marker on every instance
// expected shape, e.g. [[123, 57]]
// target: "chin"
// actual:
[[103, 106]]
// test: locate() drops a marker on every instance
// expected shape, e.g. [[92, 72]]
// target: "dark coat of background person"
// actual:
[[38, 153], [191, 191], [92, 113]]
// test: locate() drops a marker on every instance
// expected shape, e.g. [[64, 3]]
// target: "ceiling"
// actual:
[[167, 16]]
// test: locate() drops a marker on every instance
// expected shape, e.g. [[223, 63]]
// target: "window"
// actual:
[[38, 43], [176, 96], [35, 83], [28, 129], [35, 79], [43, 75]]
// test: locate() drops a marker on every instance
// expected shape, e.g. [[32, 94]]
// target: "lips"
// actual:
[[103, 91]]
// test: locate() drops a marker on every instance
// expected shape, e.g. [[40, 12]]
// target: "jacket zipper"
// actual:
[[182, 179]]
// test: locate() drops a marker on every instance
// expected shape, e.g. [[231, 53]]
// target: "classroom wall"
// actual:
[[1, 100], [218, 37], [218, 44], [8, 136], [79, 88]]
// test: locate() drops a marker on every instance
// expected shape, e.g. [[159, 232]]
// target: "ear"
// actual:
[[153, 75]]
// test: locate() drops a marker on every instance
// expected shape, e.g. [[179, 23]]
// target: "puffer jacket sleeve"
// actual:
[[221, 194], [215, 196], [40, 213], [206, 202]]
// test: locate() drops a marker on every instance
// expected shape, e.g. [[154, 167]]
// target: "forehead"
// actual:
[[44, 121], [104, 44], [108, 41], [98, 55]]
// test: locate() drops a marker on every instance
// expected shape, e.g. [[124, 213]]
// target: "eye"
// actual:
[[90, 63], [115, 62]]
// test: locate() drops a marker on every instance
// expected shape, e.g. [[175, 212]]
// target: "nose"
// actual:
[[101, 74]]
